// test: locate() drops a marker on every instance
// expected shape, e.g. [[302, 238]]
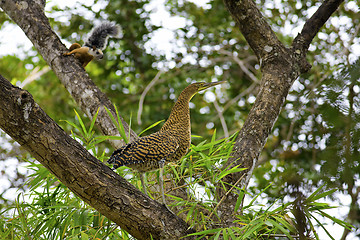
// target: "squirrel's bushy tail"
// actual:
[[99, 35]]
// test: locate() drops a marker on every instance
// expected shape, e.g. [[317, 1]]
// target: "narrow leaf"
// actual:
[[281, 228], [81, 123], [93, 120], [151, 126], [310, 198]]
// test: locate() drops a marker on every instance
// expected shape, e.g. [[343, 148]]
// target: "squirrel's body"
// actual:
[[95, 43], [80, 53]]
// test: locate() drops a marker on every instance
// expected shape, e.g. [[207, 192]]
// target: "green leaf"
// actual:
[[151, 126], [205, 232], [217, 236], [100, 139], [190, 213], [318, 206], [285, 223], [321, 225], [282, 207], [129, 129], [314, 197], [121, 126], [338, 221], [252, 227], [84, 236], [227, 171], [310, 198], [253, 200], [231, 233], [213, 139], [281, 228], [81, 123], [118, 124], [93, 120], [72, 124], [239, 200]]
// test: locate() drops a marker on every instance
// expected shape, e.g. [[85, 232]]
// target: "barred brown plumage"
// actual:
[[143, 154], [169, 144]]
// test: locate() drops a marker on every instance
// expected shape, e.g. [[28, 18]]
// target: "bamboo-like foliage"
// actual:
[[51, 211]]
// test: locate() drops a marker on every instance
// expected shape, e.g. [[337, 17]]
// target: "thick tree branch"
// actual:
[[32, 20], [312, 26], [91, 180], [280, 68], [253, 26], [34, 23]]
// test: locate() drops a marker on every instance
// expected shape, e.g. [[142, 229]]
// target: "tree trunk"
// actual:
[[94, 182], [32, 20], [280, 67]]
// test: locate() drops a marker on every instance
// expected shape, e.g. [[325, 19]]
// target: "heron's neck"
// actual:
[[180, 115]]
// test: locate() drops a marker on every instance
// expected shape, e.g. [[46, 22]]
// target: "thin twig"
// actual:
[[222, 119], [35, 74], [241, 65], [240, 95], [142, 97]]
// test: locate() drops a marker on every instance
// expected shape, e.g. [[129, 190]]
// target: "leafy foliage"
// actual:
[[275, 222], [50, 210]]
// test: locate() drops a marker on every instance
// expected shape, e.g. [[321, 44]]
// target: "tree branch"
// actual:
[[83, 174], [241, 65], [146, 90], [312, 26], [222, 119], [32, 20], [280, 68], [253, 26], [35, 74]]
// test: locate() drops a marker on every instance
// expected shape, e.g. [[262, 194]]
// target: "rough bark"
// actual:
[[280, 67], [31, 19], [94, 182]]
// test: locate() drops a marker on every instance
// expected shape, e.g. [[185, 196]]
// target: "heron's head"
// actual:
[[194, 88]]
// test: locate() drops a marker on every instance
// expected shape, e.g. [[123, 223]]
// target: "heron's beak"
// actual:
[[207, 85]]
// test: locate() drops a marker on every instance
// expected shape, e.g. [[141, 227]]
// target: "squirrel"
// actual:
[[94, 44]]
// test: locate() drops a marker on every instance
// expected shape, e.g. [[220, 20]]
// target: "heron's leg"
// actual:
[[161, 183], [143, 181]]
